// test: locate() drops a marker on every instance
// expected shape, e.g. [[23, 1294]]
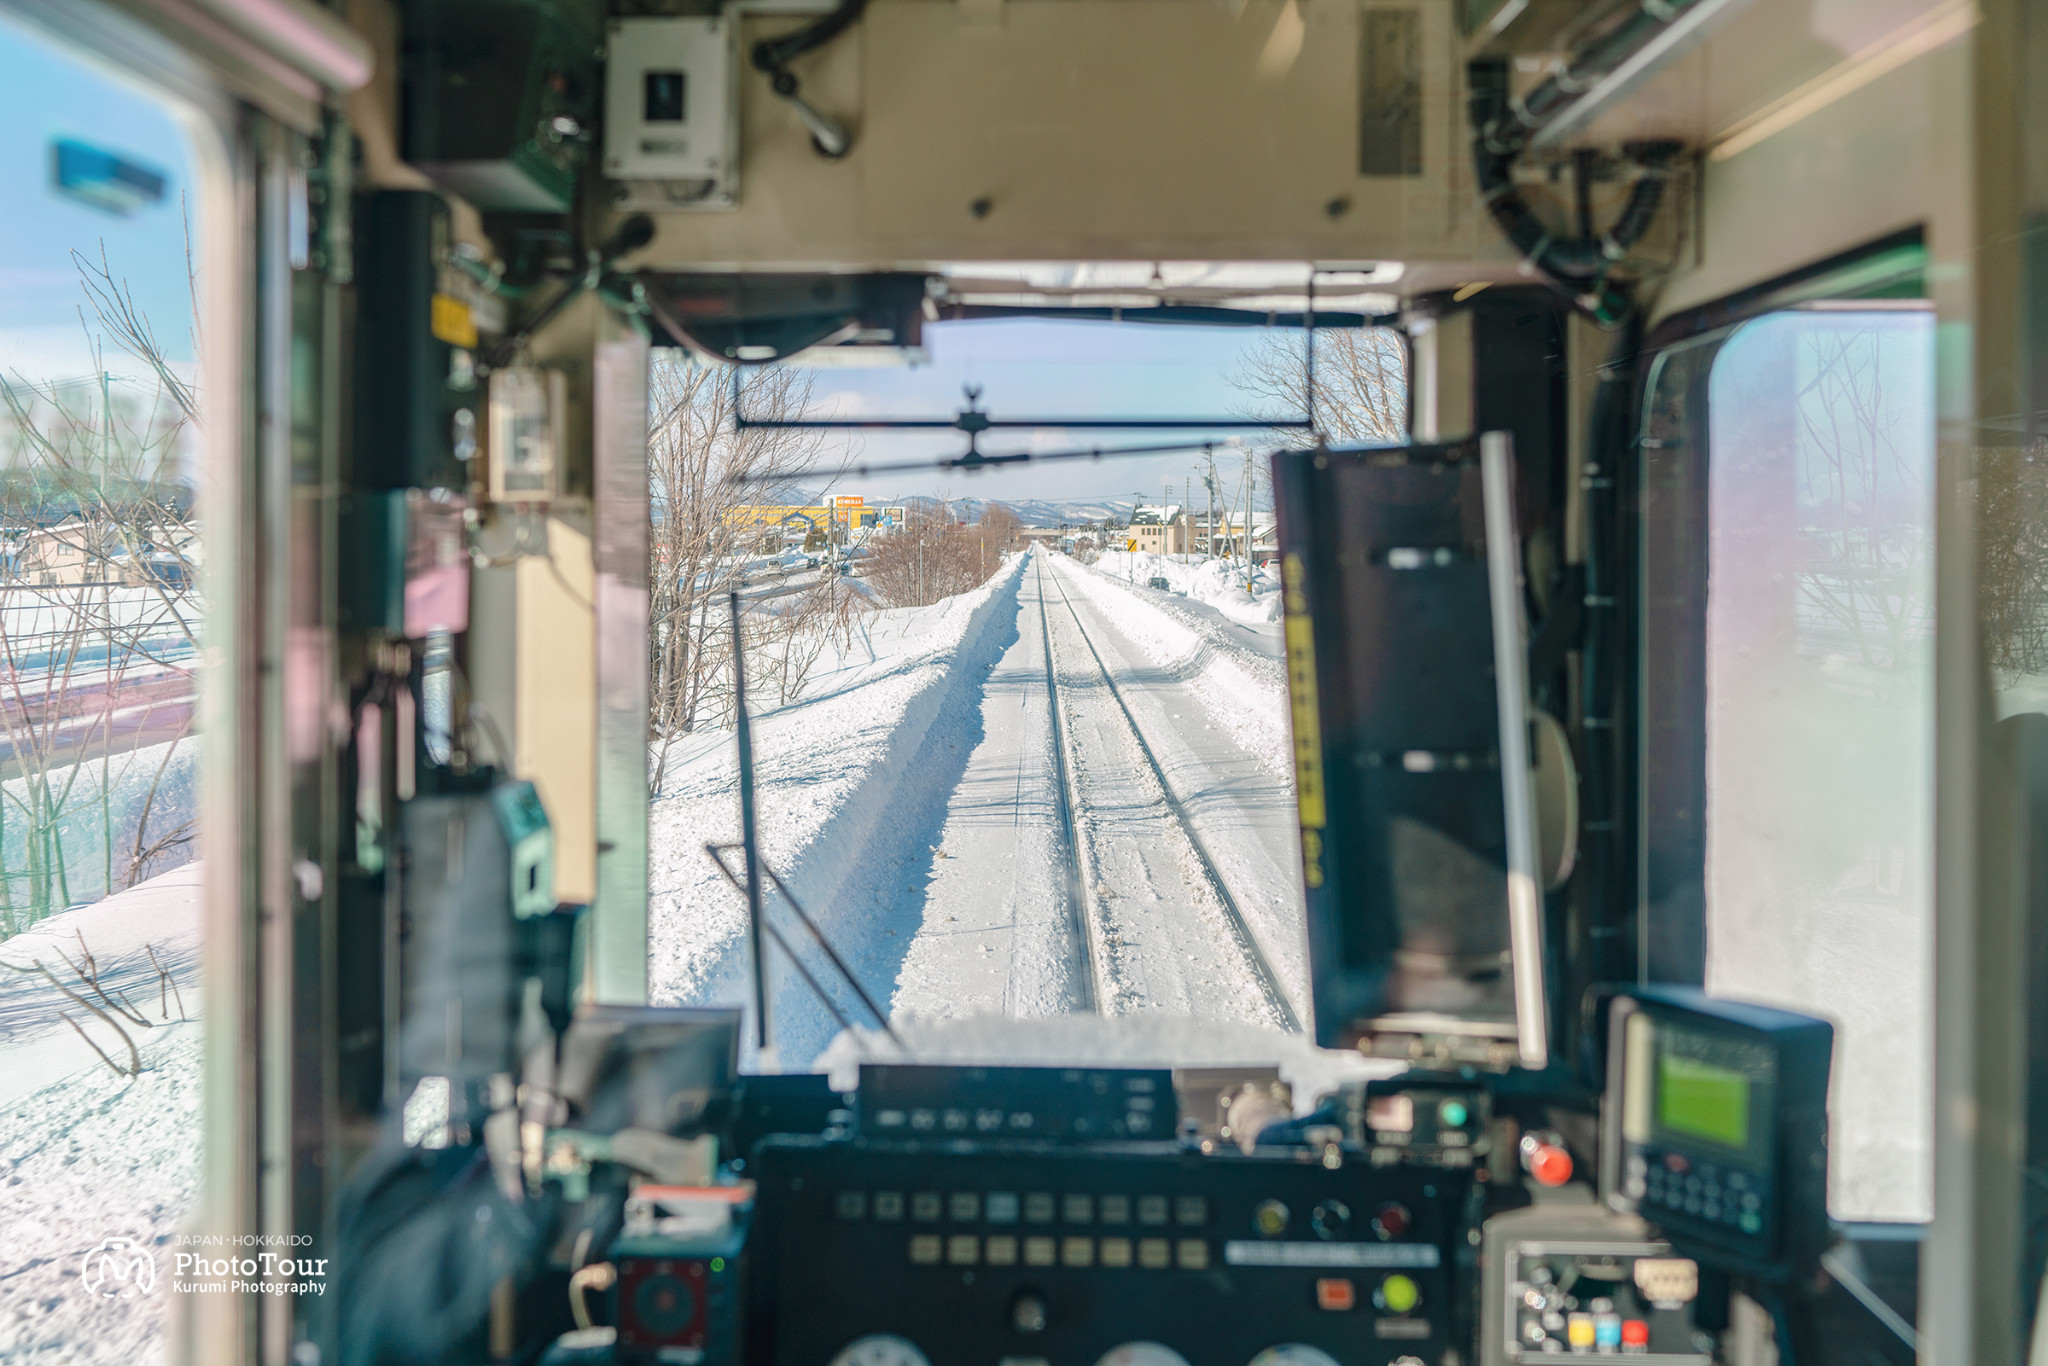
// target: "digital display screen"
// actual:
[[1701, 1100]]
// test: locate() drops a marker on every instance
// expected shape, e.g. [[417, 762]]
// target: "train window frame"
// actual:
[[214, 116], [1666, 534]]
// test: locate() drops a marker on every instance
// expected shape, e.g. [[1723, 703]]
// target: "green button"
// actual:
[[1397, 1295], [1453, 1113]]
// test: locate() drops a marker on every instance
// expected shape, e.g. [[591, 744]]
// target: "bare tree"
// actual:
[[99, 618], [1361, 382], [705, 474], [1868, 574], [935, 555]]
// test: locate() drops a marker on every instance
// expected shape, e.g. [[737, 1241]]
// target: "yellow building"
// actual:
[[837, 517]]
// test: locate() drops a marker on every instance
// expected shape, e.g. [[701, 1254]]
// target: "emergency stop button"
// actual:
[[1546, 1159]]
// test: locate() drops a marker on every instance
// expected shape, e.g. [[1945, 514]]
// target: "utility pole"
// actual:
[[1210, 480]]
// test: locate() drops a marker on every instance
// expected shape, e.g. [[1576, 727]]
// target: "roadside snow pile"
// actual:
[[1243, 689], [1225, 585], [840, 776], [86, 1155], [36, 1047]]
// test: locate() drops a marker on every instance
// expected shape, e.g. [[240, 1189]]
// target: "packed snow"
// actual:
[[1238, 672]]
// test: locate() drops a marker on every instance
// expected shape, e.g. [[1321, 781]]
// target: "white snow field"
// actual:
[[1250, 597], [86, 1155], [971, 861]]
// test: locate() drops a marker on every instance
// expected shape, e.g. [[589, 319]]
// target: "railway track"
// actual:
[[1080, 901], [1087, 905]]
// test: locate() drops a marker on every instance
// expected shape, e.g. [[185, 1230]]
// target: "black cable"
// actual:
[[1576, 266], [631, 235], [1601, 685], [773, 56]]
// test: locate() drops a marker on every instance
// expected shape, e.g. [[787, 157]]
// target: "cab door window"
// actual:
[[1788, 703]]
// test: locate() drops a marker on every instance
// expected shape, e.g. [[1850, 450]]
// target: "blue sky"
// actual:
[[1033, 367], [46, 94]]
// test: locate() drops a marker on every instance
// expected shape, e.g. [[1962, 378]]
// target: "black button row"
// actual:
[[1037, 1207]]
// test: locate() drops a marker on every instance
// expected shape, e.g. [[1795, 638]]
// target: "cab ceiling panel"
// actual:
[[1132, 129]]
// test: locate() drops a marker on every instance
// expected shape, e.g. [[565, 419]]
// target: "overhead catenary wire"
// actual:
[[976, 460]]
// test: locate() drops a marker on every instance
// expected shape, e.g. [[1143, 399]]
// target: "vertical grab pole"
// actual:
[[1511, 687], [744, 735]]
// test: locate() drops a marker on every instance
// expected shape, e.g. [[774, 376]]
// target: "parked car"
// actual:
[[1158, 581]]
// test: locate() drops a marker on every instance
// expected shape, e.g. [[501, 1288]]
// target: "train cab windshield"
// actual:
[[1031, 717]]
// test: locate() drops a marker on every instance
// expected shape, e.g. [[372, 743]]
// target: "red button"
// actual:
[[1635, 1333], [1391, 1220], [1339, 1295], [1550, 1164]]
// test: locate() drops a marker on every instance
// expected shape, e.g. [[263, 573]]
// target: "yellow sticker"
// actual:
[[1308, 729], [453, 322]]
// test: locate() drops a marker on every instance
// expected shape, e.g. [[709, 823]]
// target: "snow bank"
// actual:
[[842, 776], [36, 1047], [1242, 688], [1251, 597], [86, 1155]]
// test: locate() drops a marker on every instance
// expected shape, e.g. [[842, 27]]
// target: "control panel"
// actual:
[[1576, 1284], [1417, 1119], [1716, 1127], [1126, 1255], [1047, 1104], [677, 1262]]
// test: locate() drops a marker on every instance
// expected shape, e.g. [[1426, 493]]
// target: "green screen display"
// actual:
[[1701, 1100]]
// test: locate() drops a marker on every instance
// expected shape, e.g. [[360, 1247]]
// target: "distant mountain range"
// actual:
[[1029, 511]]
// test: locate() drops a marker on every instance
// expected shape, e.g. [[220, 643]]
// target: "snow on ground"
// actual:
[[86, 1155], [852, 784], [36, 1046], [1236, 671], [914, 806], [1240, 804], [1243, 595]]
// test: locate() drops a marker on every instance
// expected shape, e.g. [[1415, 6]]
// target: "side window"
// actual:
[[1788, 472], [102, 541]]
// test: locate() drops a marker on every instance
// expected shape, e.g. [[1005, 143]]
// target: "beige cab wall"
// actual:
[[1142, 129], [1927, 143]]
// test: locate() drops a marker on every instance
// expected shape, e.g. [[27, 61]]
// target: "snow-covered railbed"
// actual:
[[917, 807], [1235, 671], [853, 786], [1172, 942]]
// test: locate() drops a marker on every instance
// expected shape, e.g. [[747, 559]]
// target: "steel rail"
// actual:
[[1247, 943], [1080, 901]]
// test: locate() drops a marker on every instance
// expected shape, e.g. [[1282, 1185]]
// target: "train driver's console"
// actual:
[[1496, 1195]]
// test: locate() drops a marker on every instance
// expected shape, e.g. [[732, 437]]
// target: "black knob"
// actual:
[[1331, 1219]]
